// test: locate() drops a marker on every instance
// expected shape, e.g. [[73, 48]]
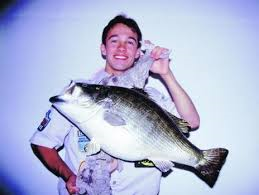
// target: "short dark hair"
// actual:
[[132, 24]]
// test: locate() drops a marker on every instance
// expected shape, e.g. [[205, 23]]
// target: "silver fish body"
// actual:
[[127, 124]]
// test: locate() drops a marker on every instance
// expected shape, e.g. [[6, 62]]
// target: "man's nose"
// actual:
[[122, 46]]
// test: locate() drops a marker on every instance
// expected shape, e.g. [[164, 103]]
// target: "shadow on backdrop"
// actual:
[[9, 8], [8, 186]]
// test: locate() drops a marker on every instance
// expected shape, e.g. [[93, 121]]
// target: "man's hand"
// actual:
[[71, 185], [160, 65], [94, 175], [114, 164]]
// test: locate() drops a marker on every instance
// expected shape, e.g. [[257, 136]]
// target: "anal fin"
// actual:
[[163, 165]]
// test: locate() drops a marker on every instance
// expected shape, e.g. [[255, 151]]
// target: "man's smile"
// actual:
[[120, 57]]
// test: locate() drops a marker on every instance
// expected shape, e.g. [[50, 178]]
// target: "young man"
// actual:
[[121, 48]]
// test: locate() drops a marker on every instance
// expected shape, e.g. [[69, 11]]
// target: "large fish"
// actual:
[[129, 125]]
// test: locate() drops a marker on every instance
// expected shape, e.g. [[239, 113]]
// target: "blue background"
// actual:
[[215, 49]]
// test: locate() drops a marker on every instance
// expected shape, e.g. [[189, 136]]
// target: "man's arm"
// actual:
[[182, 101], [51, 159]]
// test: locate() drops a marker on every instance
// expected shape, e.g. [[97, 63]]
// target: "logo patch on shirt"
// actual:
[[144, 163], [45, 121], [82, 141]]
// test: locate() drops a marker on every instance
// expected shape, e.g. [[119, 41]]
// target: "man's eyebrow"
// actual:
[[112, 36]]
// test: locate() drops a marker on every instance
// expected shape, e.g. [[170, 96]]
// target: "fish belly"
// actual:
[[138, 139], [117, 141]]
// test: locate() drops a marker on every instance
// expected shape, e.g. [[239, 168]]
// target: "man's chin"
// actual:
[[121, 67], [117, 68]]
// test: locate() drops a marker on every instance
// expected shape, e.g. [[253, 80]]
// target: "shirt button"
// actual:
[[115, 79], [114, 182]]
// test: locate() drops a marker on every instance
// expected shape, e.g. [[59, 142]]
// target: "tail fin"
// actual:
[[210, 166]]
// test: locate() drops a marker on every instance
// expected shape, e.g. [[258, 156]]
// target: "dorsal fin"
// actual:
[[141, 91], [183, 125]]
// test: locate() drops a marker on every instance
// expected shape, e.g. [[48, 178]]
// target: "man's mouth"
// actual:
[[120, 57]]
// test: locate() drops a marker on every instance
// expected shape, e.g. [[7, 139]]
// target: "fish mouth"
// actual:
[[56, 99]]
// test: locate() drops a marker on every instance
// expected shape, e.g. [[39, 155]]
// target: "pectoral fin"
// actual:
[[92, 147], [163, 165], [113, 118]]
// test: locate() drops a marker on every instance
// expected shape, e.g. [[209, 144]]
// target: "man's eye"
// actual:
[[114, 41], [130, 42]]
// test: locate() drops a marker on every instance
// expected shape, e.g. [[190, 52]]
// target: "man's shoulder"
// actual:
[[98, 75], [82, 80]]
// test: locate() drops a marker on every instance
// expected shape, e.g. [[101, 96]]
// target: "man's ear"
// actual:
[[137, 55], [103, 50]]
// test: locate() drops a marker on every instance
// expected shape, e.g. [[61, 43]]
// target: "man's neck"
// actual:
[[112, 71]]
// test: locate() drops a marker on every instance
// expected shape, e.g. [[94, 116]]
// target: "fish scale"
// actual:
[[128, 125], [133, 104]]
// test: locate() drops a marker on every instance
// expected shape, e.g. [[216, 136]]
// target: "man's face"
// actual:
[[121, 49]]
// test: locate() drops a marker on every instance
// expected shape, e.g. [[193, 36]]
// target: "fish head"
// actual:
[[79, 101]]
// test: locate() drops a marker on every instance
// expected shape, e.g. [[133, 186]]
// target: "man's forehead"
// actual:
[[121, 29]]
